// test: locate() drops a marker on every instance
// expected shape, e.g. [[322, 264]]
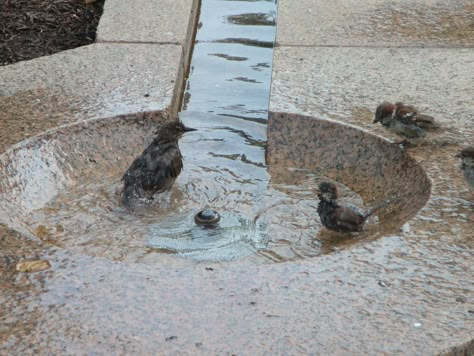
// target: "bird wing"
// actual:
[[425, 121], [409, 115], [165, 160], [412, 132], [405, 113], [134, 170], [348, 219], [155, 165]]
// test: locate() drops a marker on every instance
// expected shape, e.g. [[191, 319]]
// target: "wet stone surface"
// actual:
[[333, 76], [407, 293], [60, 308], [381, 23], [66, 192], [87, 82]]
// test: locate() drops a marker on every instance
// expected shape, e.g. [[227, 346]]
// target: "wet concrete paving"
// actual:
[[380, 23], [84, 83], [406, 293]]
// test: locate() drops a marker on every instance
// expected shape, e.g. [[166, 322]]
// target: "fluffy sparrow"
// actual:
[[156, 169], [341, 218], [405, 121]]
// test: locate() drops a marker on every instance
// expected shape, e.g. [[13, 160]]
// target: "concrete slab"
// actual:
[[346, 84], [375, 23], [92, 81], [371, 299], [155, 21]]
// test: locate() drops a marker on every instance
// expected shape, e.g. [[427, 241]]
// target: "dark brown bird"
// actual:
[[405, 113], [156, 169], [467, 165], [341, 218], [405, 121]]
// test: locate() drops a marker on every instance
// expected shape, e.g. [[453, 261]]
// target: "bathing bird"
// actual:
[[342, 218], [156, 169], [467, 165], [405, 121]]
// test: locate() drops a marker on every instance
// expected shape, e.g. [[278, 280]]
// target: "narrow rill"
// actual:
[[231, 65]]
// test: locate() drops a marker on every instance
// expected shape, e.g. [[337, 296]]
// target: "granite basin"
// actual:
[[39, 176]]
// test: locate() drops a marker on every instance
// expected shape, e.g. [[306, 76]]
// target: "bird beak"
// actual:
[[188, 129]]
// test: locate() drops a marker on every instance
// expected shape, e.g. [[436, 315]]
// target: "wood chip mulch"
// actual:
[[35, 28]]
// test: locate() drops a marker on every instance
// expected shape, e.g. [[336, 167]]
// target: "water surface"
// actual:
[[232, 59]]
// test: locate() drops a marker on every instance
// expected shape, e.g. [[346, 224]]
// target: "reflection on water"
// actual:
[[252, 19], [231, 64], [266, 215]]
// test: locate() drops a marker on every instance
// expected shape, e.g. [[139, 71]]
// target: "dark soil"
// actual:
[[35, 28]]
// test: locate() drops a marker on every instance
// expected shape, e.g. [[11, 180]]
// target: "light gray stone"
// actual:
[[401, 294], [375, 23], [347, 84], [92, 81], [150, 21]]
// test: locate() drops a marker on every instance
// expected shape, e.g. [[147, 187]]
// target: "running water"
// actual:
[[232, 59]]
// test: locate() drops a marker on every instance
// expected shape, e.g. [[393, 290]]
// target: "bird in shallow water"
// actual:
[[405, 121], [467, 165], [338, 217], [156, 169]]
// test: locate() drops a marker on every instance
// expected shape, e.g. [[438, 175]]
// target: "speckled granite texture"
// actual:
[[374, 168], [87, 82], [148, 21], [414, 23], [409, 292], [37, 169], [338, 61]]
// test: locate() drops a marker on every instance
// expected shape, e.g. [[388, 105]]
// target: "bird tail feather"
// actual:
[[379, 206]]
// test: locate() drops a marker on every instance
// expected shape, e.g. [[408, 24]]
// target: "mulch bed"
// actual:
[[35, 28]]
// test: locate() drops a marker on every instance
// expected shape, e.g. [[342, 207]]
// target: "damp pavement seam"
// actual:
[[278, 45]]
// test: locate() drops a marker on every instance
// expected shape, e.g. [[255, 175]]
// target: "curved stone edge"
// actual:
[[464, 349], [33, 171], [371, 165], [63, 131]]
